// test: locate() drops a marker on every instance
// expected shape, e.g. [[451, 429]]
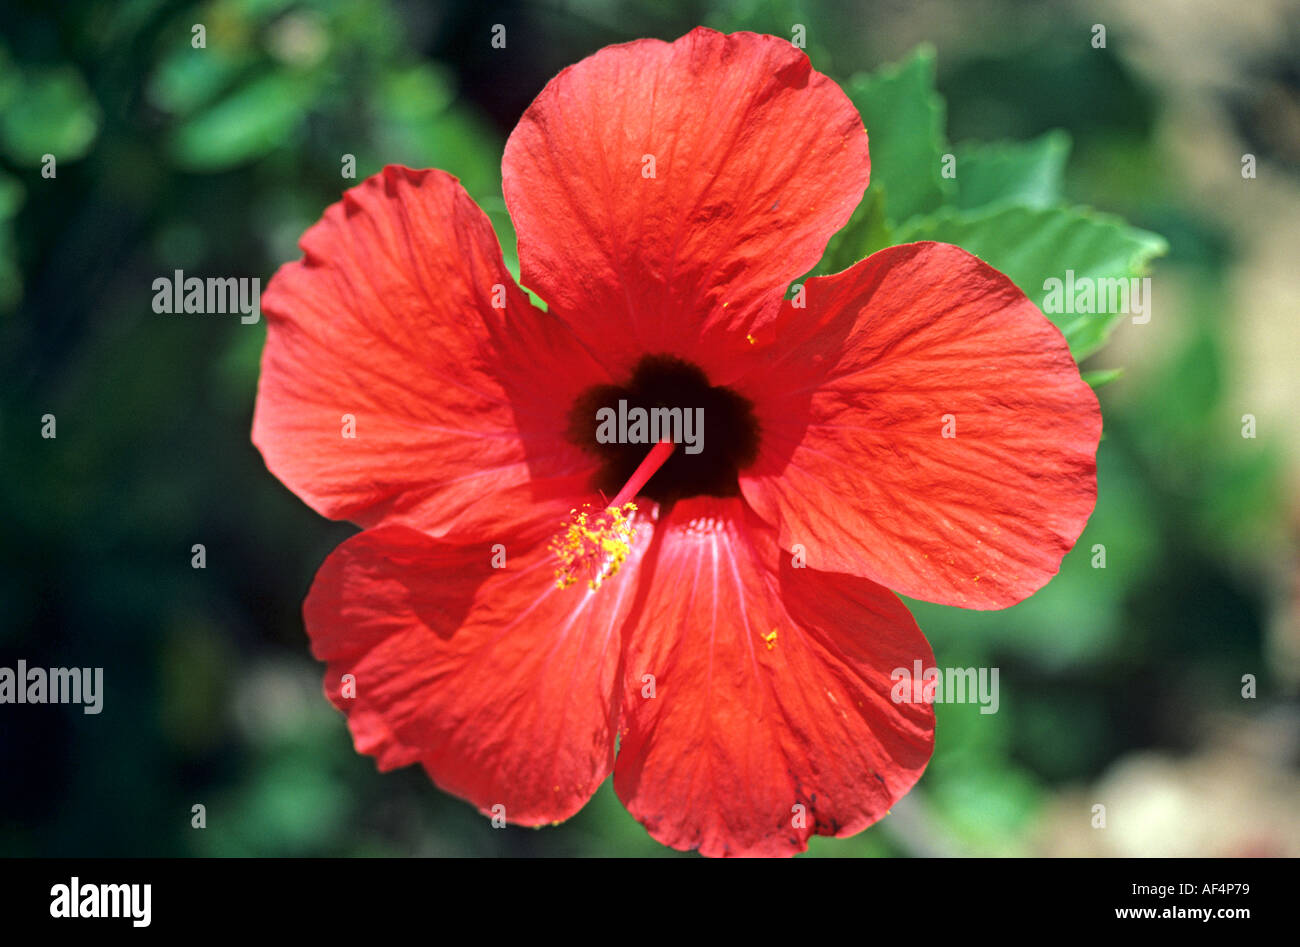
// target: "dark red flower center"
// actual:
[[714, 429]]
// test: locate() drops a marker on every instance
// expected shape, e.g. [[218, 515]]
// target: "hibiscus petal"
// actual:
[[758, 160], [738, 734], [499, 683], [925, 426], [390, 319]]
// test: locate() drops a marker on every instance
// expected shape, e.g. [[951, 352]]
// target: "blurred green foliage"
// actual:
[[1008, 208], [217, 159]]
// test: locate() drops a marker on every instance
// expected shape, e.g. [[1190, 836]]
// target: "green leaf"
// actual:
[[1034, 245], [247, 124], [420, 123], [11, 197], [864, 234], [1102, 376], [416, 94], [11, 281], [1028, 173], [188, 79], [48, 111], [904, 117]]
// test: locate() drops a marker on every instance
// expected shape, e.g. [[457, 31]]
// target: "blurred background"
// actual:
[[1119, 686]]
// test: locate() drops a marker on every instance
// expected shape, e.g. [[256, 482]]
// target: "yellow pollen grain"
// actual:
[[770, 638], [594, 545]]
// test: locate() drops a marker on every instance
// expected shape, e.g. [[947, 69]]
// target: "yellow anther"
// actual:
[[594, 544]]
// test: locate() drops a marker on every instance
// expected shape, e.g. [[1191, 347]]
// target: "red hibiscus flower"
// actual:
[[728, 653]]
